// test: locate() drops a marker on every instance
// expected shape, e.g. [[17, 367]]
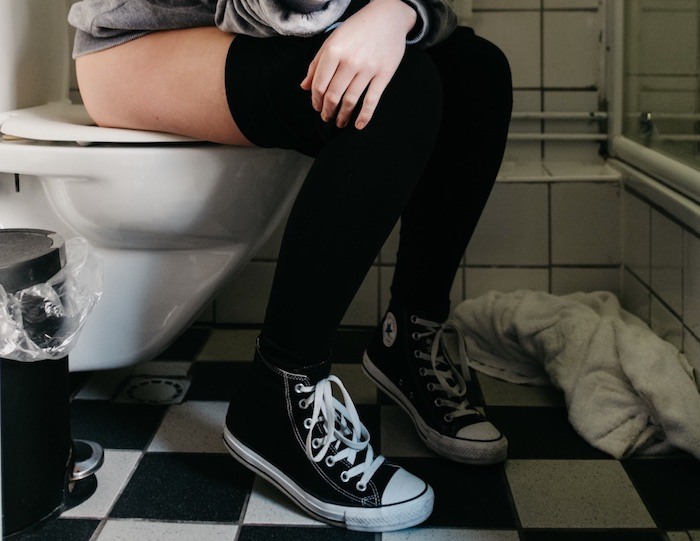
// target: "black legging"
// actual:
[[429, 155]]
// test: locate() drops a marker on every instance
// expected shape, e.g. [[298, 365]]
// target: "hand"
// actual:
[[360, 55]]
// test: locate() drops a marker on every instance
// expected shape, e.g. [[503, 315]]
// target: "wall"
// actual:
[[661, 261]]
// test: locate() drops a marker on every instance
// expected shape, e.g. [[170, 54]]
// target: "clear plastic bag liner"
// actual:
[[43, 321]]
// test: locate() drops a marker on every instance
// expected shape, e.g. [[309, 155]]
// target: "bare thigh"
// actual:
[[170, 81]]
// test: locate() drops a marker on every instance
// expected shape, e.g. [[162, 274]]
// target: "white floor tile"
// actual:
[[191, 427], [399, 437], [575, 494], [449, 534], [111, 479], [132, 530], [267, 505], [229, 345]]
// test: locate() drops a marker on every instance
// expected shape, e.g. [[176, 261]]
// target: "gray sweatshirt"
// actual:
[[101, 24]]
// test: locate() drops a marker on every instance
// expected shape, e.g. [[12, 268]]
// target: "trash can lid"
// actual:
[[29, 257]]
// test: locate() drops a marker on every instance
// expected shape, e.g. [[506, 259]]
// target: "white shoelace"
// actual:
[[342, 427], [443, 368]]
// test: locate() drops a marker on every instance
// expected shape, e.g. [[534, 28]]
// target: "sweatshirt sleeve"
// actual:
[[436, 20]]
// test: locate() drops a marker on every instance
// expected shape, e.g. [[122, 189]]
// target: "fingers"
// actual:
[[371, 100], [337, 88]]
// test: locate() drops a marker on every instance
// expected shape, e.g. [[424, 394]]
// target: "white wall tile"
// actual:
[[479, 281], [691, 282], [388, 251], [206, 315], [517, 33], [667, 260], [386, 274], [513, 229], [244, 298], [363, 308], [523, 151], [506, 4], [571, 280], [635, 297], [585, 223], [570, 4], [571, 49], [636, 241], [581, 151]]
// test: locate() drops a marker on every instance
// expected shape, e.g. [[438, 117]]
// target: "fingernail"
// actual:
[[360, 125]]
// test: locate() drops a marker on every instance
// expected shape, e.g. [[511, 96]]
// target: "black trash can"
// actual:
[[34, 396]]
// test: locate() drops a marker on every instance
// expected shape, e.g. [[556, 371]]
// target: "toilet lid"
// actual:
[[66, 122]]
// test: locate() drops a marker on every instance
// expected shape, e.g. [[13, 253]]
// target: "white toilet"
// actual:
[[171, 217]]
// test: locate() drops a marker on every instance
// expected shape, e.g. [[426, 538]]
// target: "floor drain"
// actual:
[[154, 390]]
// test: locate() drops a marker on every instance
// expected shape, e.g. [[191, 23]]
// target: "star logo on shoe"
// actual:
[[389, 330]]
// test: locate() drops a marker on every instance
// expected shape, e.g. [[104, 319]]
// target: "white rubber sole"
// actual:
[[464, 451], [382, 519]]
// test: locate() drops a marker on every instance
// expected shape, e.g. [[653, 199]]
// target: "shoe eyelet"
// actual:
[[414, 319], [422, 371], [344, 477], [438, 402], [307, 423], [316, 443], [361, 486], [303, 404], [330, 462], [448, 417], [297, 388], [415, 336], [431, 387], [416, 353]]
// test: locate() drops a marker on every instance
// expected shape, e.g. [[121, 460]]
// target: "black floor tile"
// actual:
[[298, 533], [187, 346], [670, 488], [61, 529], [114, 425], [185, 487], [541, 432], [215, 380], [465, 496], [590, 535]]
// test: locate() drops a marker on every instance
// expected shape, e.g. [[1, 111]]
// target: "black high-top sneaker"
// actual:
[[290, 429], [408, 360]]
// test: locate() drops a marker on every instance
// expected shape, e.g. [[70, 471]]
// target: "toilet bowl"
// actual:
[[171, 217]]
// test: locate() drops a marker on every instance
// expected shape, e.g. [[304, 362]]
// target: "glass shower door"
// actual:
[[662, 77]]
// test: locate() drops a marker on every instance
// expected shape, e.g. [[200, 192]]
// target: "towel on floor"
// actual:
[[627, 391]]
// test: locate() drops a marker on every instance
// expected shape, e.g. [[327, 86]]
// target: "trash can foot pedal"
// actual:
[[88, 466]]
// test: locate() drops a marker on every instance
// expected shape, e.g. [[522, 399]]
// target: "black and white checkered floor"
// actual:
[[168, 477]]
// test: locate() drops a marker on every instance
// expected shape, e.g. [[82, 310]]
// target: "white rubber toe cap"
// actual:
[[480, 432], [403, 486]]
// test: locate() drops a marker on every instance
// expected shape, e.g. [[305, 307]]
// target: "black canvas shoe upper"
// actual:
[[312, 440], [408, 358]]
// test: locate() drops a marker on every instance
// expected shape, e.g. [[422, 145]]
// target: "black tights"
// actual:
[[429, 156]]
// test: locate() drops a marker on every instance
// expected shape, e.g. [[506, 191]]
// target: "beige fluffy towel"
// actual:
[[627, 391]]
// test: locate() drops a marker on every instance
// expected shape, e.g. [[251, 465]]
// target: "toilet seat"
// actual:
[[66, 122]]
